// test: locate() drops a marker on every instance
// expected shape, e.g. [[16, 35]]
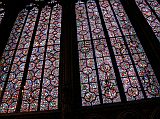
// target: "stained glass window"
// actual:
[[151, 11], [130, 54], [29, 70], [2, 11], [96, 49], [8, 104], [96, 68]]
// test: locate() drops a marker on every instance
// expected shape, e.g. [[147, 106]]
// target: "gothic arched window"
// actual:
[[151, 11], [112, 61], [29, 71]]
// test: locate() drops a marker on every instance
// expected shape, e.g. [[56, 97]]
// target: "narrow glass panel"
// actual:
[[127, 73], [155, 6], [2, 11], [32, 86], [49, 96], [89, 24], [149, 15], [88, 77], [110, 92]]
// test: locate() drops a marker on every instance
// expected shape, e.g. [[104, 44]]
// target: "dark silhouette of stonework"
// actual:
[[69, 89]]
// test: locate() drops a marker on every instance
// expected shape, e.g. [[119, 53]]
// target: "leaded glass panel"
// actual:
[[12, 90], [33, 85], [131, 44], [151, 10], [96, 67]]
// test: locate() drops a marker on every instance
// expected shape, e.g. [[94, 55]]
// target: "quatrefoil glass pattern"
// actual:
[[29, 71], [97, 69]]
